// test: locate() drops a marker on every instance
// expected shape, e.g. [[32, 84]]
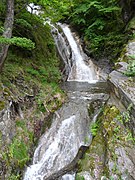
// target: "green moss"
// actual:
[[93, 156], [79, 177], [131, 24], [110, 134], [2, 105]]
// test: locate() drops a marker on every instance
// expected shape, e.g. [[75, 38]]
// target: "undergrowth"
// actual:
[[101, 26], [110, 132], [131, 67], [33, 78]]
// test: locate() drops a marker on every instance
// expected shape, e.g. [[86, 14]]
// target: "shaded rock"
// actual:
[[124, 89], [122, 67], [99, 87]]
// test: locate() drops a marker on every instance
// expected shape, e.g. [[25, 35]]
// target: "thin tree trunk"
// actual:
[[8, 26]]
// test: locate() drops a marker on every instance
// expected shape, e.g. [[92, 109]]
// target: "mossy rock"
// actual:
[[2, 105], [94, 156], [131, 24]]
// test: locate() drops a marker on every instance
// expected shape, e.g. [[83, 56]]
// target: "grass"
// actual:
[[32, 77]]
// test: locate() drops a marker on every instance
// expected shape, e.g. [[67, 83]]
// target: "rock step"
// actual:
[[97, 87]]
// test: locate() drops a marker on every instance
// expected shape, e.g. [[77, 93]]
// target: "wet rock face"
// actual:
[[7, 122], [61, 147], [78, 66], [111, 153], [124, 88]]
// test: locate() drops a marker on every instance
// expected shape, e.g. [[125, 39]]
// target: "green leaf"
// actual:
[[21, 42]]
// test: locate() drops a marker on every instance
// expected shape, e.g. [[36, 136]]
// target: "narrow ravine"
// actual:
[[62, 145]]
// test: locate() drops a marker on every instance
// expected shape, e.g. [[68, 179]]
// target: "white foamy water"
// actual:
[[55, 150], [59, 146], [80, 71]]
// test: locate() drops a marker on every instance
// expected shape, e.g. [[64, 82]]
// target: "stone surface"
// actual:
[[68, 177], [86, 175], [124, 89], [111, 154], [123, 67], [131, 48], [58, 148], [7, 123], [124, 163]]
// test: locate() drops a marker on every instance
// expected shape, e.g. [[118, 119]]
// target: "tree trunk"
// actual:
[[128, 11], [8, 26]]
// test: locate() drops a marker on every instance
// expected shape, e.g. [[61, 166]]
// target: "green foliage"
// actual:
[[1, 30], [125, 116], [17, 153], [34, 73], [45, 75], [101, 25], [2, 105], [14, 177], [23, 23], [94, 128], [2, 7], [17, 41], [79, 177], [131, 67]]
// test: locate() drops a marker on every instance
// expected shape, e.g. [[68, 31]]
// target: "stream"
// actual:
[[61, 147]]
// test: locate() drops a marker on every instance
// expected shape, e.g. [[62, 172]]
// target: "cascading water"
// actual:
[[80, 71], [58, 149]]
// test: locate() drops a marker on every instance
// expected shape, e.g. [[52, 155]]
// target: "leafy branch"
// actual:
[[18, 41]]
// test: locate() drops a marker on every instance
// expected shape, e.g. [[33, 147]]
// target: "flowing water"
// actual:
[[63, 144], [79, 71]]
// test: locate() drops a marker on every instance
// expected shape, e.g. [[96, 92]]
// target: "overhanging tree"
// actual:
[[54, 9], [8, 27]]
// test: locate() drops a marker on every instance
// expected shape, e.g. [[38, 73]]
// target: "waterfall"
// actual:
[[79, 71], [77, 64], [59, 148]]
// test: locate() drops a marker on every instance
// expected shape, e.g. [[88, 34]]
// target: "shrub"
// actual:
[[131, 67]]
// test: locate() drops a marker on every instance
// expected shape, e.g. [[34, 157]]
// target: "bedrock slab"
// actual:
[[124, 89]]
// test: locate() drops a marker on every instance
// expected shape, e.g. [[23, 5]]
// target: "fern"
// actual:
[[99, 24], [110, 9], [95, 4]]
